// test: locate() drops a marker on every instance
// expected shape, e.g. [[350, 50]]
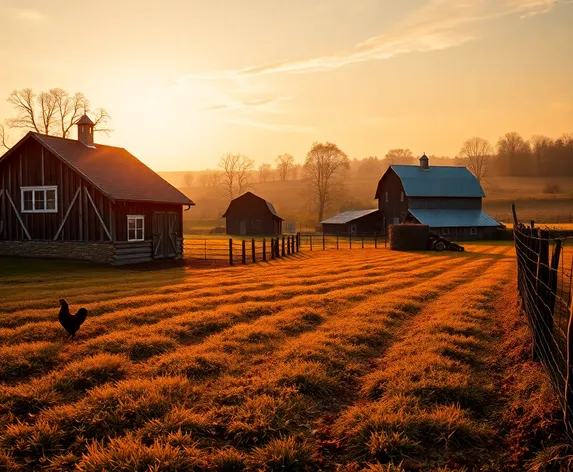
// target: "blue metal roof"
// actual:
[[348, 216], [438, 181], [453, 218]]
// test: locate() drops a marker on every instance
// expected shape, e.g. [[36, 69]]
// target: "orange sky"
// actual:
[[186, 81]]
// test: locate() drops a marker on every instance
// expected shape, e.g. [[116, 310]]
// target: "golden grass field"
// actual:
[[336, 360]]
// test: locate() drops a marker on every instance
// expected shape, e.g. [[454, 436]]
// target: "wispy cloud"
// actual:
[[245, 105], [439, 24]]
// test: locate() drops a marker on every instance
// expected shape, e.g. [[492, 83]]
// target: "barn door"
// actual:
[[158, 234], [171, 249], [243, 227], [164, 235]]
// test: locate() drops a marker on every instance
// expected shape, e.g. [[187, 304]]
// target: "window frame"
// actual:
[[473, 231], [386, 197], [402, 195], [136, 218], [39, 188], [445, 231]]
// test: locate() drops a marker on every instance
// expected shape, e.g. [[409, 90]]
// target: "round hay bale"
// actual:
[[409, 237]]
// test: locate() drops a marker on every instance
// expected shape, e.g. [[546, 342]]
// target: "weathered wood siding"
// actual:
[[33, 165], [256, 215], [396, 206]]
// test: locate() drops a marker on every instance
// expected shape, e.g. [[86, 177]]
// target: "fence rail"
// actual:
[[236, 251], [544, 276], [324, 241]]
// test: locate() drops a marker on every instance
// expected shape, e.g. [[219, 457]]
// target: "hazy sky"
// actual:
[[186, 81]]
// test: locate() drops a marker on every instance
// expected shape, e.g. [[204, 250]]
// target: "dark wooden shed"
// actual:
[[353, 222], [65, 198], [252, 215]]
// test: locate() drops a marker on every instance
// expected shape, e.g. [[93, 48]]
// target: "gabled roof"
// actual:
[[113, 170], [454, 218], [437, 181], [348, 216], [84, 120], [252, 195]]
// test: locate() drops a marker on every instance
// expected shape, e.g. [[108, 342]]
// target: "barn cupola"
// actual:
[[86, 131], [424, 162]]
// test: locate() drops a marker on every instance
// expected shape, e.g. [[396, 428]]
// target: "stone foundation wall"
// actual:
[[94, 252]]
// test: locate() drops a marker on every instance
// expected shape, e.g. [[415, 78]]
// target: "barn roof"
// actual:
[[454, 218], [348, 216], [270, 206], [116, 172], [438, 181]]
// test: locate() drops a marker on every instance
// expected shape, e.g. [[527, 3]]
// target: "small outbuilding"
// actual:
[[353, 222], [252, 215]]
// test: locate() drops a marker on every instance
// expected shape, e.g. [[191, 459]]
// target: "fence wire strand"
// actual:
[[544, 270]]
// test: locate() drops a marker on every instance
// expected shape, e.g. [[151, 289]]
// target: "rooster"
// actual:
[[71, 323]]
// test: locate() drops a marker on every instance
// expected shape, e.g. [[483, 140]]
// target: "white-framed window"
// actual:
[[135, 227], [445, 231], [42, 199], [386, 196], [402, 196], [473, 231]]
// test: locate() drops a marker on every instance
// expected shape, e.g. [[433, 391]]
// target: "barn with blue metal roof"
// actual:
[[447, 198]]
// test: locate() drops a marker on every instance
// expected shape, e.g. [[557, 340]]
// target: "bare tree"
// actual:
[[285, 163], [539, 146], [210, 178], [187, 179], [265, 172], [323, 171], [53, 112], [400, 157], [476, 153], [3, 138], [512, 144], [236, 175]]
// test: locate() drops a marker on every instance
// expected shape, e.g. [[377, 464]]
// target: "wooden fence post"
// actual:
[[265, 249], [362, 241], [283, 247], [298, 242], [323, 242], [375, 240], [310, 240], [243, 252], [288, 245], [277, 248], [253, 250], [553, 276], [230, 251], [350, 240], [336, 240]]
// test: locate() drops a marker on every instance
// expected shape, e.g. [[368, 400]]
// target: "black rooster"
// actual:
[[71, 323]]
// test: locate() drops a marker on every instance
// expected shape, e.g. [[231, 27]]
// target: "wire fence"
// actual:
[[545, 217], [324, 241], [544, 270], [234, 251]]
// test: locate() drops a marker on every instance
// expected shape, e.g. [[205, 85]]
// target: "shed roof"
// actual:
[[115, 171], [454, 218], [270, 206], [438, 181], [348, 216]]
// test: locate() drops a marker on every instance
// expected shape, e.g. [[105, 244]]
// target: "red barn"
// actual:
[[74, 199]]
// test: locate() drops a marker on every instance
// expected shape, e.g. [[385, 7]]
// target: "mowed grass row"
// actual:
[[430, 402], [162, 327], [244, 394]]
